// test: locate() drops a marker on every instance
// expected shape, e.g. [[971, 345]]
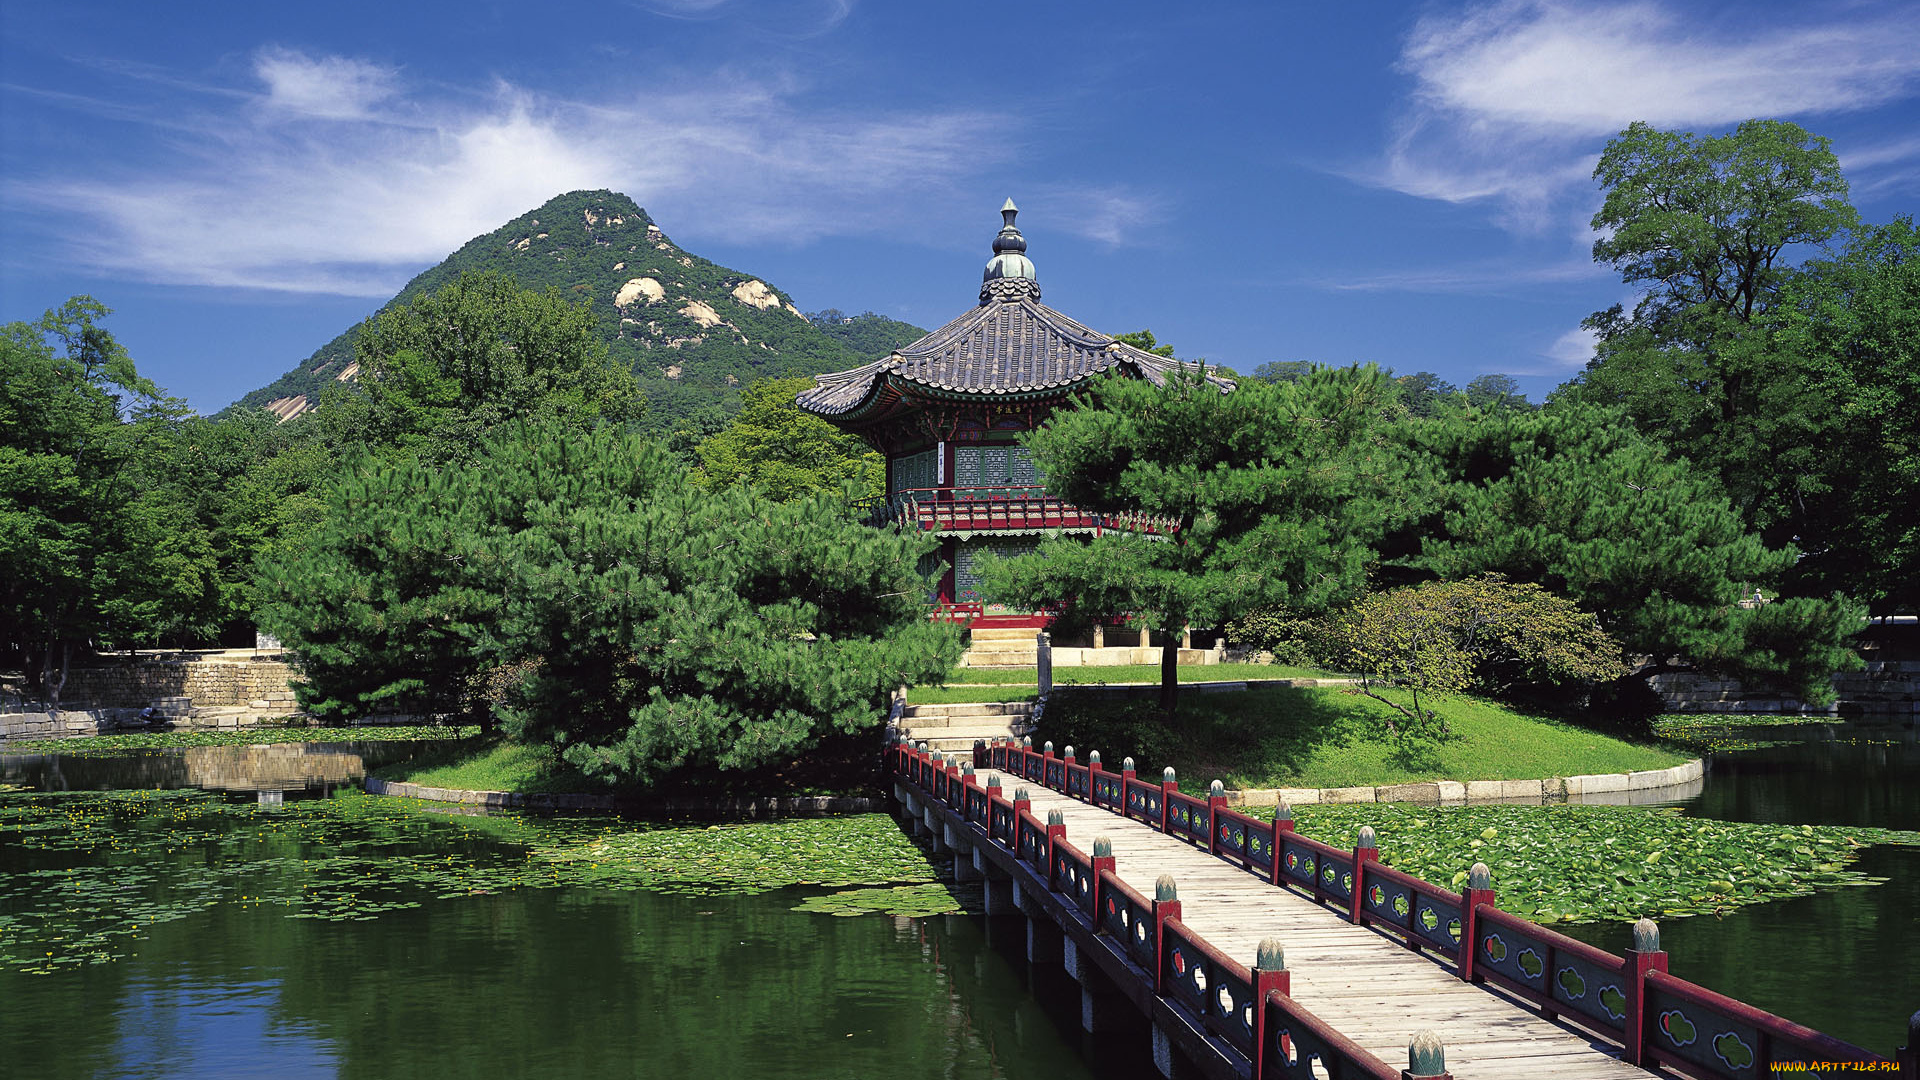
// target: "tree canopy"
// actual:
[[787, 453], [1576, 500], [588, 590], [99, 543], [1270, 495]]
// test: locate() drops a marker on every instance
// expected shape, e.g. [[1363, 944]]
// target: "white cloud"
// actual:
[[1571, 350], [1107, 215], [350, 183], [1513, 98], [328, 87]]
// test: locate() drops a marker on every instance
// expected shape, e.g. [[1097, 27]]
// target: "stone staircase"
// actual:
[[1002, 648], [955, 727]]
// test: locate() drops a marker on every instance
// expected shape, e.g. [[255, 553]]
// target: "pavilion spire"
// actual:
[[1009, 274]]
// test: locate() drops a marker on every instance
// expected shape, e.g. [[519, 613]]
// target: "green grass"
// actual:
[[490, 766], [838, 766], [1136, 673], [1325, 737]]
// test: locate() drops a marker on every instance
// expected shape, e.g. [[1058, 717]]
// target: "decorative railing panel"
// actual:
[[1000, 820], [1127, 916], [1424, 914], [1054, 773], [1077, 776], [1106, 790], [1322, 869], [1296, 1039], [1693, 1029], [1210, 984], [1033, 843], [1188, 817], [998, 507], [976, 811], [1551, 969], [1143, 802], [1072, 876]]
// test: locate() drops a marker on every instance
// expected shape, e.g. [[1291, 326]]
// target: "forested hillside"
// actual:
[[693, 331]]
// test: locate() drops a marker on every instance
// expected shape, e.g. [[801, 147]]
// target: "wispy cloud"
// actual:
[[334, 175], [1512, 99], [781, 18], [1571, 350], [1478, 277], [327, 87]]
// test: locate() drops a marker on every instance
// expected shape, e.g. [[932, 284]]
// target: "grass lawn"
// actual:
[[839, 766], [492, 765], [1325, 737]]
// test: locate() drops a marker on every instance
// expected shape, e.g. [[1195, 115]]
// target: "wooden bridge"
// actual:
[[1353, 964]]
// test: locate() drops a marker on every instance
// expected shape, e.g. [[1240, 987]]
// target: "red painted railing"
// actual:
[[941, 509], [1630, 1000], [1247, 1008]]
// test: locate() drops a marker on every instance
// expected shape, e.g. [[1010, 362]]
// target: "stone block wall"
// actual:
[[209, 683], [1884, 688]]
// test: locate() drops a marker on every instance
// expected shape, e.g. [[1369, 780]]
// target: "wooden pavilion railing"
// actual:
[[998, 508], [1628, 1001]]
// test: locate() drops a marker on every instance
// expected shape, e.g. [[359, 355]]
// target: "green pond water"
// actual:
[[1844, 961], [151, 928], [181, 932]]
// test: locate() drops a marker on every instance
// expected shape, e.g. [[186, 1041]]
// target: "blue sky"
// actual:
[[1403, 184]]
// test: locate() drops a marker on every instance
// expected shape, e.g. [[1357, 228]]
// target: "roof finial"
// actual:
[[1009, 238], [1009, 274]]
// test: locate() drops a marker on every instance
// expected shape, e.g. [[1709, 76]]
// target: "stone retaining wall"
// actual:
[[261, 684], [1883, 688], [770, 806], [1454, 791]]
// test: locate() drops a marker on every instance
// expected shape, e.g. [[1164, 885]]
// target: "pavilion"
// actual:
[[947, 410]]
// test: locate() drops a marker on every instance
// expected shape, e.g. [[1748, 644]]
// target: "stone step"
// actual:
[[1001, 658], [969, 708], [1024, 636]]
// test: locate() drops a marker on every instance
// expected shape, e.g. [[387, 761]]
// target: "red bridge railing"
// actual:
[[1629, 1001]]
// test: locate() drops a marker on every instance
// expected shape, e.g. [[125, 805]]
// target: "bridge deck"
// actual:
[[1365, 984]]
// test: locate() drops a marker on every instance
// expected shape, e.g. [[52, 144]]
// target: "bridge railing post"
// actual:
[[1426, 1058], [1269, 974], [1093, 777], [982, 757], [1282, 824], [1168, 785], [1216, 802], [1644, 958], [1365, 850], [1479, 891], [1166, 905], [1102, 860], [1056, 830], [1910, 1053], [1127, 774], [1021, 805]]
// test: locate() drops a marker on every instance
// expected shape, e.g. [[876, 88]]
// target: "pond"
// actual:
[[1845, 961], [206, 928], [189, 932]]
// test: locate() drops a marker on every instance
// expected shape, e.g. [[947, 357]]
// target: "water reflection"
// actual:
[[271, 772]]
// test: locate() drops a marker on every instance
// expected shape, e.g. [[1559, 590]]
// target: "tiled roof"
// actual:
[[1005, 346]]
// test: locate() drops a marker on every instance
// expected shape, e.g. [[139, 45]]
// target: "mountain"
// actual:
[[694, 331]]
